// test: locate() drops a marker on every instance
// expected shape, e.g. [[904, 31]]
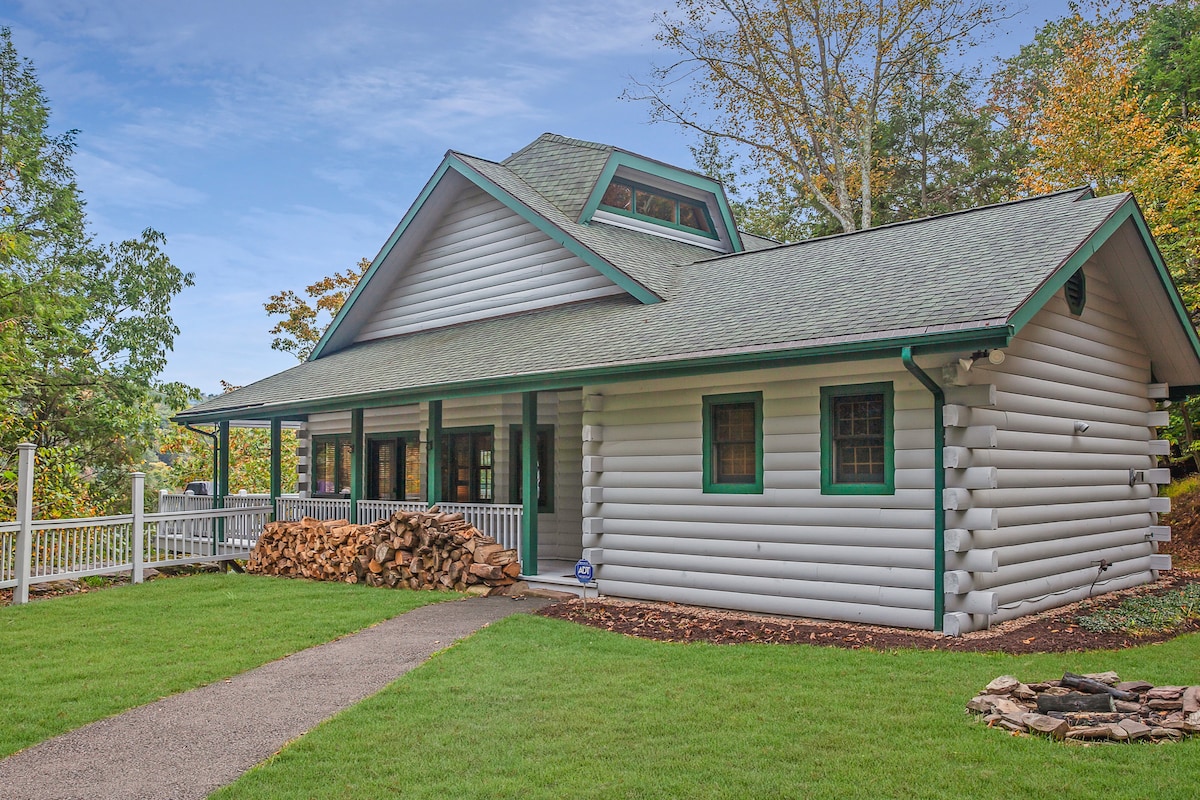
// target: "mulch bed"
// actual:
[[1053, 631]]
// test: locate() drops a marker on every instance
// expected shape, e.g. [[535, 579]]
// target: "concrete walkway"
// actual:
[[188, 745]]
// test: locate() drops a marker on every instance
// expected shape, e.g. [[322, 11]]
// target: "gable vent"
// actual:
[[1076, 292]]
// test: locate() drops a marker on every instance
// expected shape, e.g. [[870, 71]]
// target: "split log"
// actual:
[[1095, 687], [422, 550], [1075, 701]]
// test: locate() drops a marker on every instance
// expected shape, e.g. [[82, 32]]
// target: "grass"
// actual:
[[539, 708], [72, 660], [1147, 614], [1182, 486]]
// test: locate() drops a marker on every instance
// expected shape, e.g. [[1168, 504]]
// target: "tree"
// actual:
[[249, 458], [305, 322], [85, 328], [800, 85]]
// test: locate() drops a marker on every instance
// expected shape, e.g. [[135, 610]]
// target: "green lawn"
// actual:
[[539, 708], [72, 660]]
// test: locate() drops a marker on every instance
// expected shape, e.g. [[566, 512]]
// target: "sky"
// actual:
[[274, 143]]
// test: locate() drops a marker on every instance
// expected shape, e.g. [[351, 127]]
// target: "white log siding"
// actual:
[[482, 261], [1057, 502], [558, 532], [790, 550]]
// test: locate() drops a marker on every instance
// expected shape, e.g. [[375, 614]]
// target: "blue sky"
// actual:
[[277, 142]]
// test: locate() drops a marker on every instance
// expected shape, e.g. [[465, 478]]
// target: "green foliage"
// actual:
[[1147, 613], [304, 322], [1183, 486], [1170, 65], [191, 458], [85, 328], [72, 660], [601, 715]]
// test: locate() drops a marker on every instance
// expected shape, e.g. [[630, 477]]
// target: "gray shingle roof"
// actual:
[[966, 271]]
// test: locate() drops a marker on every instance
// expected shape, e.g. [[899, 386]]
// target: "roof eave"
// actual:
[[983, 335]]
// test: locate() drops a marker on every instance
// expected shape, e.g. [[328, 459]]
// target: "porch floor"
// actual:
[[557, 574]]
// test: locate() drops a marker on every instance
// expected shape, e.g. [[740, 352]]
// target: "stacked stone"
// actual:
[[1093, 707]]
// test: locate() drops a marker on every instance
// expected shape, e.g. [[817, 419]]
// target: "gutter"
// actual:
[[939, 486]]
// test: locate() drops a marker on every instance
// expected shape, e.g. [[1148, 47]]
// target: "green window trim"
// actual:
[[633, 213], [342, 451], [545, 434], [711, 404], [829, 484], [408, 472], [480, 480]]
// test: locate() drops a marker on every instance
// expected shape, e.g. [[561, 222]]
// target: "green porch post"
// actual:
[[529, 484], [221, 478], [433, 483], [276, 469], [358, 462]]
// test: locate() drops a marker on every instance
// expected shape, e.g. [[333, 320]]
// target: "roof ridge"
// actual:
[[1082, 191], [558, 138]]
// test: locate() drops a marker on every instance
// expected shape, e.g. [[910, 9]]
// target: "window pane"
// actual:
[[655, 205], [734, 443], [693, 216], [858, 438], [383, 470], [344, 461], [412, 470], [324, 463], [618, 195]]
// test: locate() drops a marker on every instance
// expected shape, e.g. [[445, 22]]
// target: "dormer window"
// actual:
[[656, 206]]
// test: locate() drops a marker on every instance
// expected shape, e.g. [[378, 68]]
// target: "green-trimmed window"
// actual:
[[733, 443], [468, 469], [331, 465], [858, 439], [545, 467], [655, 205], [393, 466]]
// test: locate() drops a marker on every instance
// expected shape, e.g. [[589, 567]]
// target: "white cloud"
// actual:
[[107, 182], [575, 31]]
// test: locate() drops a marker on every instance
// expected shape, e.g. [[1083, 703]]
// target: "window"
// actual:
[[545, 467], [393, 466], [468, 475], [657, 206], [331, 465], [857, 439], [733, 443], [1076, 292]]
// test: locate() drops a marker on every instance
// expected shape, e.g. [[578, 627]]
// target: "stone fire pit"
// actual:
[[1093, 707]]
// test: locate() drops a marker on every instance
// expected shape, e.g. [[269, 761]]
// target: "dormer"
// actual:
[[655, 198]]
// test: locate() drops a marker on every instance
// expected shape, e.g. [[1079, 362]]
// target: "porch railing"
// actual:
[[38, 551], [291, 509], [175, 501]]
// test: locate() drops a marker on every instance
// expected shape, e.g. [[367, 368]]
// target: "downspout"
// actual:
[[939, 486], [216, 469]]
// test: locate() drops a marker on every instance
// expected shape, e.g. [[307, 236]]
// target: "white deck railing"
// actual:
[[174, 501], [190, 537], [371, 510], [291, 509], [501, 522]]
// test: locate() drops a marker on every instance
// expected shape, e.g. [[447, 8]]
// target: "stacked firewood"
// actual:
[[417, 550]]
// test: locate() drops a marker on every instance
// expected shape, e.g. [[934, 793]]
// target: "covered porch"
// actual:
[[466, 455]]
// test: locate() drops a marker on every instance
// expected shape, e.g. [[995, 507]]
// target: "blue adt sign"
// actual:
[[584, 570]]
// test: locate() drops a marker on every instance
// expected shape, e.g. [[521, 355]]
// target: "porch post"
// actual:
[[433, 482], [358, 461], [276, 456], [221, 483], [24, 552], [137, 499], [529, 484]]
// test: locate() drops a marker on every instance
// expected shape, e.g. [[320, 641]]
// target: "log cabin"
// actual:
[[936, 424]]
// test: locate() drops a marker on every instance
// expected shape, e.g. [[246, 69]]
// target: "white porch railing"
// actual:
[[37, 551], [371, 510], [174, 501], [291, 509], [501, 522]]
